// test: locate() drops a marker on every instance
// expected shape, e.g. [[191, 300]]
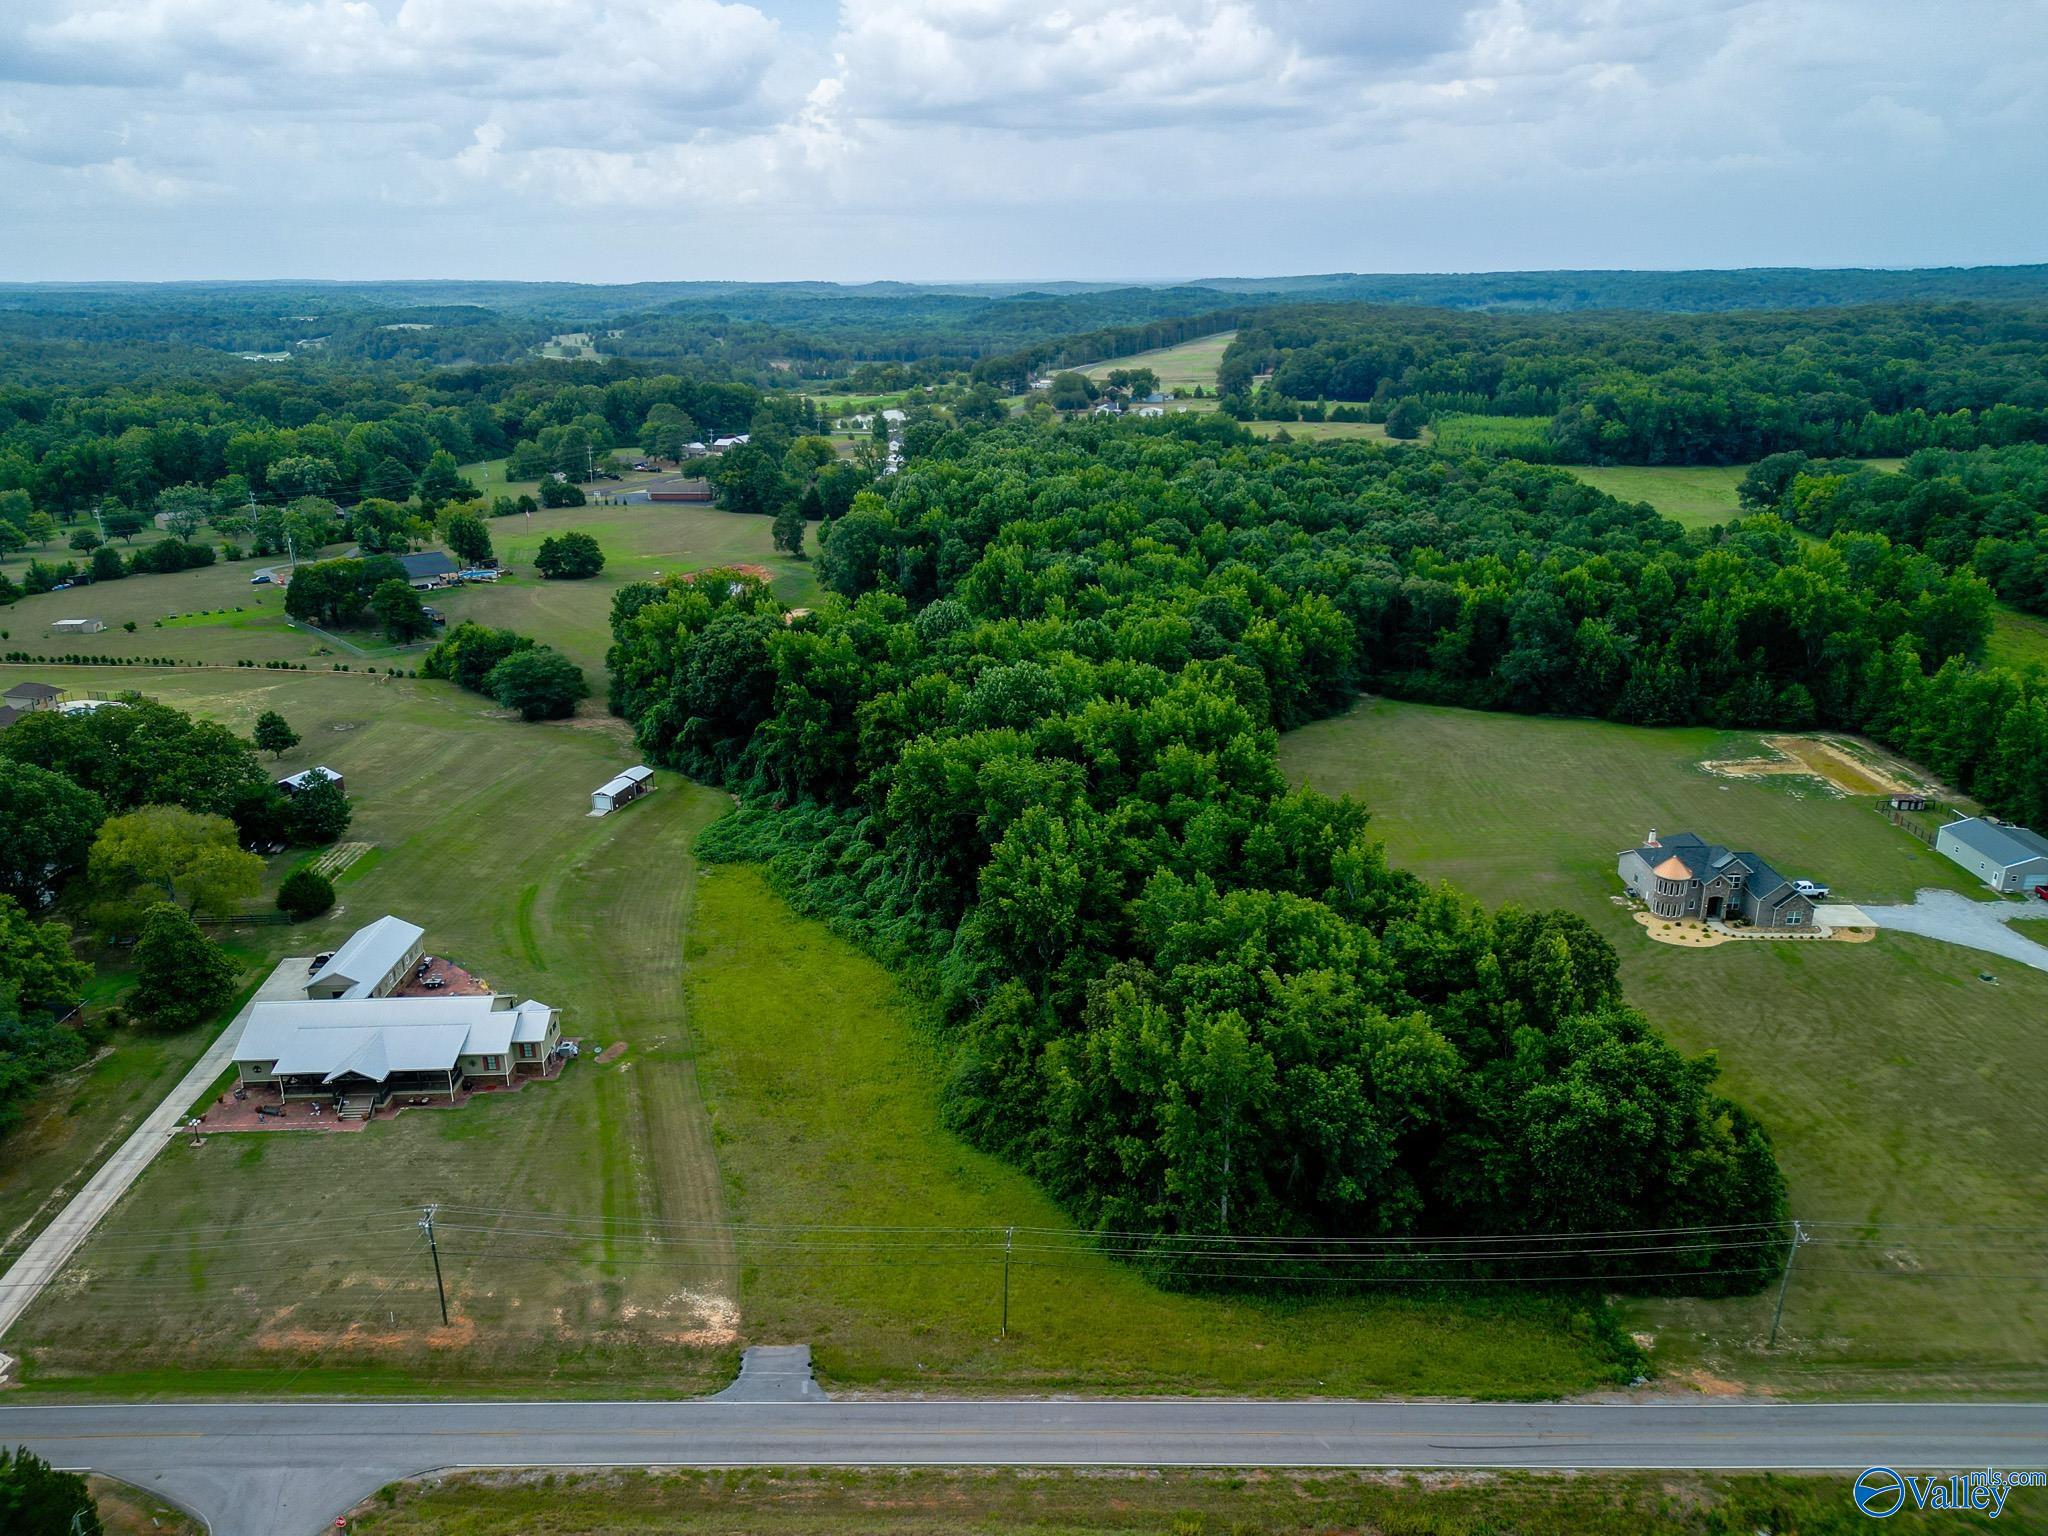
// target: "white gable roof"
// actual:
[[369, 954], [377, 1036]]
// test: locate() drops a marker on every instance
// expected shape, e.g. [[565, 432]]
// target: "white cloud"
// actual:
[[964, 137]]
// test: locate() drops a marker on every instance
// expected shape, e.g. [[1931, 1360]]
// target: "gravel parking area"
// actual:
[[1956, 919]]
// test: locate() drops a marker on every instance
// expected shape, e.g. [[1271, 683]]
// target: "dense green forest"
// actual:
[[1984, 510], [1032, 753], [1642, 388]]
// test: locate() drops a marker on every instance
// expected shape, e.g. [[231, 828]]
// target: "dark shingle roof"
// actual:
[[1704, 860], [33, 691], [431, 563]]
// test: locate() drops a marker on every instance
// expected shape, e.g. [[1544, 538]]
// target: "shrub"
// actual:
[[305, 893]]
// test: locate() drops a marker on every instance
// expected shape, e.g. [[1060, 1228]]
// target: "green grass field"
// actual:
[[1322, 431], [641, 541], [1697, 495], [266, 1261], [214, 616], [1185, 366], [1892, 1079], [824, 1100], [1147, 1501], [2017, 639]]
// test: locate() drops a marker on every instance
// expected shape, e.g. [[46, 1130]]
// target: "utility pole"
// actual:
[[427, 1226], [1009, 1237], [1798, 1236]]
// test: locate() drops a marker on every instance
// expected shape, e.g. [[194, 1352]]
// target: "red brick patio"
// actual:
[[227, 1113]]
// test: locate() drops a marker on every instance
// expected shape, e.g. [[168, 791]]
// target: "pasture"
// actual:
[[1892, 1079], [1185, 366], [641, 542], [266, 1260], [1697, 495], [214, 616], [1322, 431]]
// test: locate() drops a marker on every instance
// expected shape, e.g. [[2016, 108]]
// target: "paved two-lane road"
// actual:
[[287, 1469]]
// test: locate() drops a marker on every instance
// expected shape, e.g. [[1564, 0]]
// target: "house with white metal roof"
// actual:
[[366, 1050], [373, 961], [2006, 858]]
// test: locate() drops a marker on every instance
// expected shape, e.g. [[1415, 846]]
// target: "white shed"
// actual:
[[76, 627], [626, 788]]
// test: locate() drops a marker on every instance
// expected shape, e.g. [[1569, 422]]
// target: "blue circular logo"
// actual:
[[1879, 1492]]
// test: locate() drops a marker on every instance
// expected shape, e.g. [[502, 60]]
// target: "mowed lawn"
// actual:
[[267, 1261], [215, 616], [1897, 1085], [1185, 366], [1696, 495], [641, 542], [824, 1097]]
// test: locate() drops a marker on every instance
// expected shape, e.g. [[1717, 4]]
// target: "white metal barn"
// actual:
[[77, 627], [626, 788]]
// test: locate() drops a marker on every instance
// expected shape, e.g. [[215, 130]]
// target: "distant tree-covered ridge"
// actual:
[[1640, 388]]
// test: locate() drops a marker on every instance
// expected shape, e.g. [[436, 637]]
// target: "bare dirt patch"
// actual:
[[611, 1053], [1846, 767]]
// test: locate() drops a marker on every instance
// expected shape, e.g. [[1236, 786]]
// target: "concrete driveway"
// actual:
[[1958, 919], [55, 1244]]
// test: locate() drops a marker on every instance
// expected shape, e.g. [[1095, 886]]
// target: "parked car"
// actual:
[[260, 579]]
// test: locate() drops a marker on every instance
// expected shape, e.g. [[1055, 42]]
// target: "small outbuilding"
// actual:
[[683, 489], [2006, 858], [76, 627], [306, 778], [624, 790], [1909, 802]]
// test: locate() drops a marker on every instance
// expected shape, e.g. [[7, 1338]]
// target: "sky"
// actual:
[[999, 140]]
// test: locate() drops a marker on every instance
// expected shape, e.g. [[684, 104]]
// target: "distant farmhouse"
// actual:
[[2007, 859], [28, 697], [1688, 877], [428, 570], [381, 1019]]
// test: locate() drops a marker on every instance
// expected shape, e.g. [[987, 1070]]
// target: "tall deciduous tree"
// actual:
[[274, 734], [182, 977], [50, 825]]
